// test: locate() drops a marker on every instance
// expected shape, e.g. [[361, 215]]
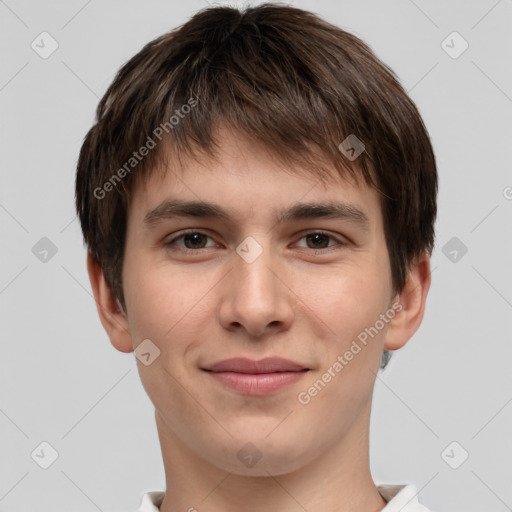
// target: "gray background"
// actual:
[[62, 382]]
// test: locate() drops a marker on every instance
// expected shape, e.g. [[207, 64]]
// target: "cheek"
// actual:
[[165, 306], [165, 303], [350, 305], [344, 299]]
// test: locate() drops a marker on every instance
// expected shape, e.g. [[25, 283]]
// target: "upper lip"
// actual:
[[267, 365]]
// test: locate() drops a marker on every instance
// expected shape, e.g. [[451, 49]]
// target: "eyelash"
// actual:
[[186, 250]]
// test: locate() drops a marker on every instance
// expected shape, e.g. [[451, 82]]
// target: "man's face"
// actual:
[[248, 286]]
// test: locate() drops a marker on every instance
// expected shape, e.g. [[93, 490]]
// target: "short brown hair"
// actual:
[[285, 78]]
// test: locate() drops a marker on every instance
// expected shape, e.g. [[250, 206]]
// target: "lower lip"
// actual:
[[257, 384]]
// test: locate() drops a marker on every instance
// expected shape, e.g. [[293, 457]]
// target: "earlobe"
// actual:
[[412, 300], [111, 313]]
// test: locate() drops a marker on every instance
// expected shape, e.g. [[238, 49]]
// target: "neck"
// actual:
[[336, 480]]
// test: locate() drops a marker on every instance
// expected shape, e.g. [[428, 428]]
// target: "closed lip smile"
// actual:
[[256, 377]]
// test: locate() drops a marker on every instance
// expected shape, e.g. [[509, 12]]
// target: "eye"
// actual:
[[319, 239], [193, 240]]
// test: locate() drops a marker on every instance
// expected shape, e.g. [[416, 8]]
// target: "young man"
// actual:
[[258, 199]]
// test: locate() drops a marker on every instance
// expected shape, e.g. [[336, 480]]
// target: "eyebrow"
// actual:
[[172, 208]]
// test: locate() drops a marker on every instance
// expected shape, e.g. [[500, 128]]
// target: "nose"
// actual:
[[255, 296]]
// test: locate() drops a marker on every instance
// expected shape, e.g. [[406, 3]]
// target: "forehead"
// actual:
[[244, 180]]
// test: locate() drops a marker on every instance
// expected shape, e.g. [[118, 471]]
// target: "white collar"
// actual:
[[399, 498]]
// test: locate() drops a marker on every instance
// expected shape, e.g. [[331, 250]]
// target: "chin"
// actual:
[[260, 456]]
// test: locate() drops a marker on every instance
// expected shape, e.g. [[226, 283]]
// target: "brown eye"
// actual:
[[324, 242], [318, 240], [195, 240], [191, 241]]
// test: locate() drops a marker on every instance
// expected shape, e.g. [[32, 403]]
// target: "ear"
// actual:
[[110, 311], [412, 301]]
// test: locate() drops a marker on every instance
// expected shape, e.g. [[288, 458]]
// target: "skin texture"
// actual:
[[213, 305]]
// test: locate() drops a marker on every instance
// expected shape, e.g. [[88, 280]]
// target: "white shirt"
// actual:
[[399, 498]]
